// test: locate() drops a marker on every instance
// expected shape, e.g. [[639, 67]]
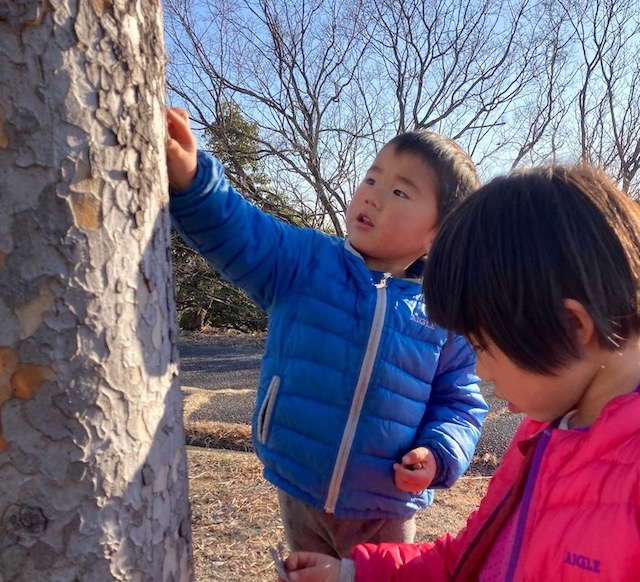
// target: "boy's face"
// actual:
[[393, 215]]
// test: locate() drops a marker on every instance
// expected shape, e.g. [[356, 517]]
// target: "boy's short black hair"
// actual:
[[506, 258], [454, 170]]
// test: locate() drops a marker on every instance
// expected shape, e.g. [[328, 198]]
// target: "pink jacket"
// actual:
[[580, 510]]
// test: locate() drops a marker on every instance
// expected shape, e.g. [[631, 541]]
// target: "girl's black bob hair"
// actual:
[[506, 258]]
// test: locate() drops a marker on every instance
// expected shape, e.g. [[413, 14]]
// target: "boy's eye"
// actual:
[[400, 194], [369, 181]]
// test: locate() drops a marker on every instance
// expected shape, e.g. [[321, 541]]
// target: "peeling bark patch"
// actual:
[[31, 314], [8, 364], [85, 203], [99, 5], [24, 520], [86, 213], [28, 378], [19, 380], [5, 390], [4, 140]]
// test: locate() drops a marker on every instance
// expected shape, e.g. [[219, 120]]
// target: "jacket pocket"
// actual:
[[266, 410]]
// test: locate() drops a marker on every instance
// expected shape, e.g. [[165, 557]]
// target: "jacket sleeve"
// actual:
[[436, 561], [244, 244], [389, 562], [451, 425]]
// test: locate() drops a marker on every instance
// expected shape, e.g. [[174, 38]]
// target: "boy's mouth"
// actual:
[[364, 219]]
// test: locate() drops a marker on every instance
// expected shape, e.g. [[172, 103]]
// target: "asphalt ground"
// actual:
[[228, 365]]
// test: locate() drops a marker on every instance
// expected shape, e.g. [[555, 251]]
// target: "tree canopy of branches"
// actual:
[[323, 83], [326, 81]]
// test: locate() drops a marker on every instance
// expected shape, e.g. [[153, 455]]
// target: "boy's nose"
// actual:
[[373, 200]]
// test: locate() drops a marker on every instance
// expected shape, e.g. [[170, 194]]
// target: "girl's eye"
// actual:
[[400, 194], [477, 347]]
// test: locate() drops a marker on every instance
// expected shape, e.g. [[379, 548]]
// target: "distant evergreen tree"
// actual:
[[236, 143]]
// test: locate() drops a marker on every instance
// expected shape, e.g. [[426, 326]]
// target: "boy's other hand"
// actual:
[[182, 149], [416, 472], [312, 567]]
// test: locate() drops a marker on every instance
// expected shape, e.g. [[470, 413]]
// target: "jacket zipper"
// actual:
[[358, 397], [523, 512]]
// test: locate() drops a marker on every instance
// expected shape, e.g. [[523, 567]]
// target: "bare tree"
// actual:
[[291, 67], [327, 81], [536, 130], [607, 40], [451, 66], [92, 456]]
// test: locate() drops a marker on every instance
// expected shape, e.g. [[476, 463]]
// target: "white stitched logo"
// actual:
[[422, 320], [417, 313]]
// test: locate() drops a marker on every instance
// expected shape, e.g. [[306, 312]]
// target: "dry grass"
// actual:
[[235, 515]]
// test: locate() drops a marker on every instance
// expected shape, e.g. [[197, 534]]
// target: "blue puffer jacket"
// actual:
[[354, 373]]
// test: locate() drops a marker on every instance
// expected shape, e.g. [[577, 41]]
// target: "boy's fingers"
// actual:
[[178, 120], [409, 458], [182, 136], [179, 111], [416, 456]]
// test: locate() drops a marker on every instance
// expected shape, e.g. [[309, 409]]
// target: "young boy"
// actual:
[[363, 402], [541, 270]]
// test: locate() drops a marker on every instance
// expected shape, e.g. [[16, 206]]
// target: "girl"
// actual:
[[540, 271]]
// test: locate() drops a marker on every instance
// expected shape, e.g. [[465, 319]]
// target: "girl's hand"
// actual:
[[182, 149], [312, 567], [416, 472]]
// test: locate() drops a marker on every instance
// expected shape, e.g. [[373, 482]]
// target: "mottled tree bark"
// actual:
[[93, 483]]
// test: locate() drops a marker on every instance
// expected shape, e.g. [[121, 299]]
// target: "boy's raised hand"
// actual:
[[312, 567], [182, 149], [417, 470]]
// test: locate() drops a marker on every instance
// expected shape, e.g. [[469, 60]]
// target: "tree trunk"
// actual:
[[92, 457]]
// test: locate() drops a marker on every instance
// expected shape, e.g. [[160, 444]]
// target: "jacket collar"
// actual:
[[616, 420], [414, 271]]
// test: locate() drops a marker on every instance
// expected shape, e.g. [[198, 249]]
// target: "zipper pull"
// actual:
[[383, 282]]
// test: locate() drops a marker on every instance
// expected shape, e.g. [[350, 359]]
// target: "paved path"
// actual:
[[230, 365]]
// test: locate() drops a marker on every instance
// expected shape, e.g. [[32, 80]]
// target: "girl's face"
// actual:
[[586, 384], [542, 397]]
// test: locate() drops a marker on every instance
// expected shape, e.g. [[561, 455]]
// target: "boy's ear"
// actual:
[[581, 321]]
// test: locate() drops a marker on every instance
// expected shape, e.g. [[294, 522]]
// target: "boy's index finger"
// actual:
[[179, 129], [175, 118], [180, 112]]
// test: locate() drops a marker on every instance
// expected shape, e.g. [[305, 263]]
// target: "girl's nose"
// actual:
[[483, 371]]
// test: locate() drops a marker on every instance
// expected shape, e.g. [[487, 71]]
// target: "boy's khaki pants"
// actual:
[[309, 530]]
